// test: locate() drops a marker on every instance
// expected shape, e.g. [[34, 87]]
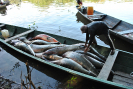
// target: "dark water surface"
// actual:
[[58, 17]]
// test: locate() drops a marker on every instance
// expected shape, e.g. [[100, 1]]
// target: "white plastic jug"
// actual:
[[5, 33]]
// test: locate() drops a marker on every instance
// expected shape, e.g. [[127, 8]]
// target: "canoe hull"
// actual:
[[14, 30]]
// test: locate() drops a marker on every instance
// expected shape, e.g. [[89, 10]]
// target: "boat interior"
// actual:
[[118, 68]]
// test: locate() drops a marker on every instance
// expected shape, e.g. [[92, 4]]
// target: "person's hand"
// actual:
[[86, 49], [85, 45]]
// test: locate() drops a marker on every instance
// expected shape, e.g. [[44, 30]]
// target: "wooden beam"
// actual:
[[106, 69], [122, 74], [97, 15], [24, 33], [127, 31], [123, 78]]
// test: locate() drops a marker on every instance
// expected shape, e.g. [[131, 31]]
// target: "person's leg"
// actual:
[[94, 41], [110, 43]]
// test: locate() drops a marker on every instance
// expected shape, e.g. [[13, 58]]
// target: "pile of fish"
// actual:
[[70, 56]]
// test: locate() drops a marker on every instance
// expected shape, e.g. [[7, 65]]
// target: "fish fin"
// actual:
[[93, 74], [31, 50]]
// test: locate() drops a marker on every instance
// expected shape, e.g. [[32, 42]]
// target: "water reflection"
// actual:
[[16, 65], [41, 75]]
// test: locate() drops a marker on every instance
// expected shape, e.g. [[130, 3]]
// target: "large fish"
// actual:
[[42, 42], [97, 53], [93, 50], [69, 63], [48, 57], [23, 39], [45, 38], [80, 59], [42, 48], [12, 42], [23, 46], [39, 42], [63, 49], [90, 54], [52, 57], [95, 62]]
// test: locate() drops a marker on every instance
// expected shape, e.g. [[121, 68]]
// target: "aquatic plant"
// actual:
[[33, 26], [71, 81]]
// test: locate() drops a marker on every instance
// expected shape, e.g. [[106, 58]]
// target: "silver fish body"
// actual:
[[48, 57], [23, 39], [97, 53], [69, 63], [12, 42], [52, 57], [91, 55], [79, 58], [42, 42], [95, 62], [42, 48], [23, 46], [63, 49]]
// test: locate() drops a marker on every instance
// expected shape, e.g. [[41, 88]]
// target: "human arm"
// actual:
[[87, 38], [90, 42]]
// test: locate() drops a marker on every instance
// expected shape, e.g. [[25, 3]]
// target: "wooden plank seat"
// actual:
[[106, 69], [24, 33], [123, 78], [111, 22], [125, 32], [1, 25], [96, 17]]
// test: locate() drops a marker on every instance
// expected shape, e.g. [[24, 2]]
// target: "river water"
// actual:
[[57, 17]]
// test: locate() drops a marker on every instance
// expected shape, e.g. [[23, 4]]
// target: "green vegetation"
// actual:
[[33, 26], [71, 81], [42, 3]]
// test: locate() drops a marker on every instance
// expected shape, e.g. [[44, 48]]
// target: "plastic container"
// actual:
[[5, 33], [90, 10]]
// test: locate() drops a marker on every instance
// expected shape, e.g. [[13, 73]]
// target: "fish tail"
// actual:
[[55, 40], [31, 50], [97, 53], [92, 74]]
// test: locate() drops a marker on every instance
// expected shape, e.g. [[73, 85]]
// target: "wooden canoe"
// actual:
[[117, 27], [120, 62]]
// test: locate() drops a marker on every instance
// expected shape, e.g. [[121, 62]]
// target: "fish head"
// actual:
[[17, 44], [22, 38]]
